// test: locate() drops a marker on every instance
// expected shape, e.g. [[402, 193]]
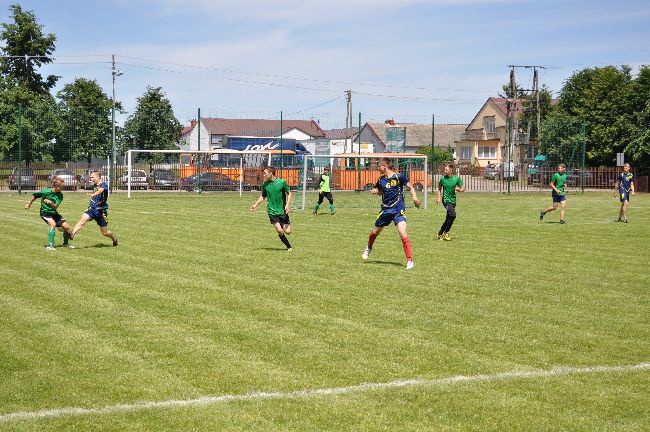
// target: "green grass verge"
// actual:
[[201, 299]]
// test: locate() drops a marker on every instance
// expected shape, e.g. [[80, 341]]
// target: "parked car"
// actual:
[[501, 170], [492, 171], [25, 176], [68, 176], [139, 180], [212, 181], [163, 179], [574, 177], [86, 183]]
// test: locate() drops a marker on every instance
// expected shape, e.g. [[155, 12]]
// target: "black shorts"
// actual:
[[281, 219], [58, 219]]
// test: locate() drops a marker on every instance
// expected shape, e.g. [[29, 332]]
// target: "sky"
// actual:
[[407, 60]]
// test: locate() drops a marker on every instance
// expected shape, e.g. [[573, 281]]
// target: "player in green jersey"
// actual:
[[325, 182], [448, 185], [278, 196], [558, 194], [50, 201]]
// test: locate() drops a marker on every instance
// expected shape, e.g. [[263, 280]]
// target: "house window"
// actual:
[[487, 152], [466, 153], [216, 141], [488, 124], [532, 151]]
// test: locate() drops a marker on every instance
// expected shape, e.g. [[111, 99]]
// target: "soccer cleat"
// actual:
[[441, 236], [409, 265], [289, 250], [366, 253], [50, 248], [562, 222], [541, 215], [625, 220], [315, 213], [446, 237], [115, 242], [69, 246], [619, 220]]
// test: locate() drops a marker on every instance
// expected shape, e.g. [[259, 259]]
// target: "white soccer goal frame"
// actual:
[[366, 156], [130, 153]]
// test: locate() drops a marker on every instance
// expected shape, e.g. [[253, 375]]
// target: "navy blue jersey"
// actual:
[[392, 191], [99, 202], [626, 181]]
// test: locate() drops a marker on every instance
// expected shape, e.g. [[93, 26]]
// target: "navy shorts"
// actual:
[[558, 198], [58, 219], [100, 216], [385, 217], [624, 195], [281, 219]]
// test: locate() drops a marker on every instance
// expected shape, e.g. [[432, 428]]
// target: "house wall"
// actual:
[[190, 141], [296, 134]]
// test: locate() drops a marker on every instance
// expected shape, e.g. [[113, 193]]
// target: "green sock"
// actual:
[[65, 238], [331, 208], [316, 207], [50, 237]]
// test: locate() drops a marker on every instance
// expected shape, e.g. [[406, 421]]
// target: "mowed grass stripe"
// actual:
[[218, 307]]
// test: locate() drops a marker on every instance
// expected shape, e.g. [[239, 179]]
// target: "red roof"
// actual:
[[260, 127]]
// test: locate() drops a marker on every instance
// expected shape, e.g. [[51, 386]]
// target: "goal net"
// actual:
[[352, 176], [219, 170]]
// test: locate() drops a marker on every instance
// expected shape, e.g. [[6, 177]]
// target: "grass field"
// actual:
[[201, 301]]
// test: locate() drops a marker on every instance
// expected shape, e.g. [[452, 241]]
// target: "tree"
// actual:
[[440, 155], [29, 121], [153, 126], [27, 48], [638, 147], [599, 98], [86, 113]]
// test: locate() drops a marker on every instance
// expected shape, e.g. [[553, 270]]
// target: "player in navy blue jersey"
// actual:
[[391, 188], [97, 208], [624, 186]]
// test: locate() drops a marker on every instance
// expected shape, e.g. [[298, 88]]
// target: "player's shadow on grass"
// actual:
[[280, 249], [552, 222], [384, 263], [97, 245]]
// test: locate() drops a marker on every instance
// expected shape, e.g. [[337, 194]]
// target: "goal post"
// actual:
[[194, 171], [351, 173]]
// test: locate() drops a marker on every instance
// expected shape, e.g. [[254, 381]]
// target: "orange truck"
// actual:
[[355, 177]]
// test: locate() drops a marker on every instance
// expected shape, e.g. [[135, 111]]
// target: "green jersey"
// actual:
[[275, 193], [55, 197], [448, 185], [325, 183], [559, 180]]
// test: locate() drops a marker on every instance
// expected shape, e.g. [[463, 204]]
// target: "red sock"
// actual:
[[407, 248], [371, 240]]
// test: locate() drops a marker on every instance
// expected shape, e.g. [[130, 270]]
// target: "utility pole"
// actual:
[[348, 119], [535, 90], [537, 107], [114, 73]]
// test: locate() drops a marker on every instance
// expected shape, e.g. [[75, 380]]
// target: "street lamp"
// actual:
[[115, 73]]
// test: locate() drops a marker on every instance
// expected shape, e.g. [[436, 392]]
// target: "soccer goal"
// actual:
[[220, 170], [354, 173]]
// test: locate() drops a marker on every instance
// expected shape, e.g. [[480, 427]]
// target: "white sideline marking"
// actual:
[[211, 400]]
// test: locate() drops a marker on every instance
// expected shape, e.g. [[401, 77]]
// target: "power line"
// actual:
[[314, 107], [299, 78]]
